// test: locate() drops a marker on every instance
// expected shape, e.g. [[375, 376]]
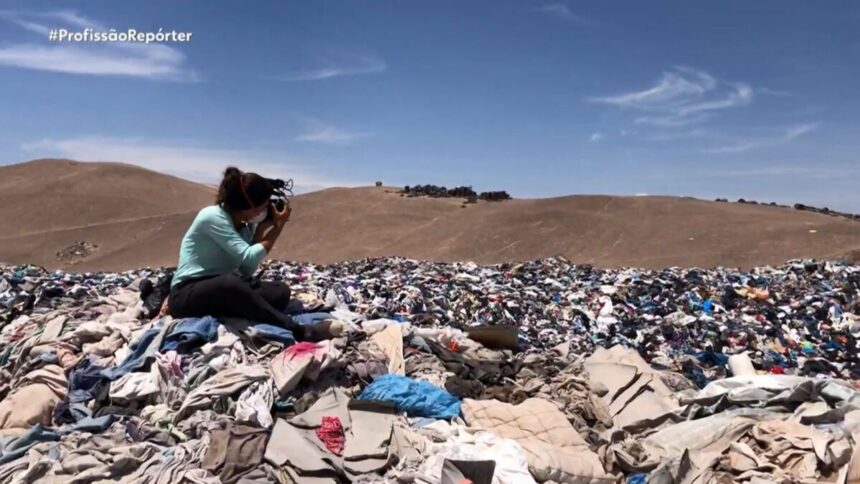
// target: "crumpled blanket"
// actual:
[[555, 450]]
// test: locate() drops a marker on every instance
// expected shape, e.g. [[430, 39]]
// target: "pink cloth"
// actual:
[[331, 433], [302, 348]]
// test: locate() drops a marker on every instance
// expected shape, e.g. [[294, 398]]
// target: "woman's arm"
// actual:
[[268, 240], [275, 218], [279, 219], [262, 228]]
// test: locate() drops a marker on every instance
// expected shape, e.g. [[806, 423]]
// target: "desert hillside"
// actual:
[[131, 217]]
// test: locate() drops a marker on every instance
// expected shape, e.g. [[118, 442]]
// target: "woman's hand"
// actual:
[[281, 217]]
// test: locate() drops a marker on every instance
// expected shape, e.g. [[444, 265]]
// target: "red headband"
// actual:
[[242, 185]]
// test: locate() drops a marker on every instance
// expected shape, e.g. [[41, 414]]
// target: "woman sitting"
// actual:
[[220, 253]]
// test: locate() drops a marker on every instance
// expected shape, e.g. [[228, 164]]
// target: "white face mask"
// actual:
[[259, 218]]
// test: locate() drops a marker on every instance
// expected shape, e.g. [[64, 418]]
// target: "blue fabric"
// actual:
[[92, 425], [776, 358], [832, 346], [416, 398], [191, 333], [139, 355], [84, 380], [638, 479], [699, 377], [15, 448], [694, 300], [271, 332], [66, 412], [311, 318], [712, 358], [49, 358], [212, 246]]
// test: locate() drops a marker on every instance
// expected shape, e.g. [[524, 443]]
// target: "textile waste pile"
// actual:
[[541, 371]]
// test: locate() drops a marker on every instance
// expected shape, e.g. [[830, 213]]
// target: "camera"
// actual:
[[283, 191]]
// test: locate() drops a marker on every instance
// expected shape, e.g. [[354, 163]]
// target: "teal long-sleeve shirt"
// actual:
[[212, 246]]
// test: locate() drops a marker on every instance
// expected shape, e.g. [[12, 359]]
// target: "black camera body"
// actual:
[[283, 191]]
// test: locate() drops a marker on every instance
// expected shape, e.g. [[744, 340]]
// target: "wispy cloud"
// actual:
[[672, 120], [771, 92], [696, 133], [595, 137], [682, 96], [817, 172], [784, 136], [152, 61], [37, 28], [319, 132], [560, 11], [337, 64], [185, 160]]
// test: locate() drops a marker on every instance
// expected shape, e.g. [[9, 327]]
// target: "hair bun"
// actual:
[[232, 172]]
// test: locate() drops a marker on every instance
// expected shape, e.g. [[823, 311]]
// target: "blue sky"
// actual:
[[709, 99]]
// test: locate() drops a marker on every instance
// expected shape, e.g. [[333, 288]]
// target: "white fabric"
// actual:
[[135, 386], [511, 464], [741, 365], [738, 386], [390, 341], [255, 404]]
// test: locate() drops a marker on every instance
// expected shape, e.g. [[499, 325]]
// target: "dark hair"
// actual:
[[241, 191]]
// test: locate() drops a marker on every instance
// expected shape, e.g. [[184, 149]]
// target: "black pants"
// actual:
[[231, 295]]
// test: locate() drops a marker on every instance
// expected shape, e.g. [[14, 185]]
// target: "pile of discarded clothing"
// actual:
[[541, 371], [77, 251], [468, 193]]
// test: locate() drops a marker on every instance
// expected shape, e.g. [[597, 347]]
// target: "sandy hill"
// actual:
[[50, 195], [136, 217]]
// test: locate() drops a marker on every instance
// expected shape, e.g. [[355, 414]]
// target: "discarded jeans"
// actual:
[[190, 333], [272, 333], [14, 448], [137, 359], [310, 318]]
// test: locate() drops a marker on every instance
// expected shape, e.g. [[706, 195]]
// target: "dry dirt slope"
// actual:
[[137, 217]]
